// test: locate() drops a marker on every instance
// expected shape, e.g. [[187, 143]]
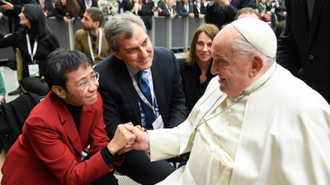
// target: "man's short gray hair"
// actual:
[[120, 25]]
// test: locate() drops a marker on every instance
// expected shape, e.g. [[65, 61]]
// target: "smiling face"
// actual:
[[23, 20], [137, 51], [203, 48], [74, 94], [235, 69]]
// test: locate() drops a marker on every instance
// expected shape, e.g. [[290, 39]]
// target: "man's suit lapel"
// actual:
[[126, 84], [157, 77]]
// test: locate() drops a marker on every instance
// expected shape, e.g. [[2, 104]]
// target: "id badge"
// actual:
[[158, 123], [34, 70]]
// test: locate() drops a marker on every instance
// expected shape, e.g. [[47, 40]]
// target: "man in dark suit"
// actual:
[[221, 12], [47, 6], [199, 9], [303, 48], [185, 8], [124, 99], [85, 4]]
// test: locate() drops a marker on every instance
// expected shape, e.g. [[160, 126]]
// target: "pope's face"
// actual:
[[137, 51], [233, 68]]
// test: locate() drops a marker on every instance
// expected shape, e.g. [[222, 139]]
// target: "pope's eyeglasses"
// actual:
[[84, 85]]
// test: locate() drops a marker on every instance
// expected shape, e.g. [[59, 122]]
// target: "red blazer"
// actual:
[[49, 149]]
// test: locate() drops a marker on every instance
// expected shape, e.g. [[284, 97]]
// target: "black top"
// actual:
[[45, 46], [192, 87]]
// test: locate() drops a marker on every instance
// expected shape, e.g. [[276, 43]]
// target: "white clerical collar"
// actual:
[[262, 80]]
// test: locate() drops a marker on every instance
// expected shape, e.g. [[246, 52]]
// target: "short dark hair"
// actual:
[[60, 62], [96, 14]]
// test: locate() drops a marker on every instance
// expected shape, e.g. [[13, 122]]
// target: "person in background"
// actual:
[[91, 38], [47, 6], [196, 66], [199, 9], [2, 89], [185, 8], [85, 4], [171, 8], [157, 8], [141, 10], [108, 7], [35, 42], [66, 10], [63, 140], [124, 6], [247, 12], [234, 135], [304, 46], [221, 12], [141, 84], [12, 9]]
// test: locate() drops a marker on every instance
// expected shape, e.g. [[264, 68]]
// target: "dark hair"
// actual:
[[72, 6], [37, 20], [96, 14], [60, 62], [210, 29]]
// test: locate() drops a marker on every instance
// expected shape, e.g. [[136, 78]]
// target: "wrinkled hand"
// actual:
[[122, 140]]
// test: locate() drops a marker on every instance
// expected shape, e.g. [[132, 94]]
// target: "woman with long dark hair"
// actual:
[[35, 42], [66, 10]]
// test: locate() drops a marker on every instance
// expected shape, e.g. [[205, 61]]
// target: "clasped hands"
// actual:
[[128, 137]]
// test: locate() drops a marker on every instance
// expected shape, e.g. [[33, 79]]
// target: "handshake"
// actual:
[[128, 137]]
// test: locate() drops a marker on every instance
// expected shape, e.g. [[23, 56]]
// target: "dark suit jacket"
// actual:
[[182, 11], [83, 6], [303, 48], [150, 5], [219, 16], [126, 5], [202, 9], [50, 148], [120, 100], [49, 7]]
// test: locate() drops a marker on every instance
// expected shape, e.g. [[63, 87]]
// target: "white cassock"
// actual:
[[276, 133]]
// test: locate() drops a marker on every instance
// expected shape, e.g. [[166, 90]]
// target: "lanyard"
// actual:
[[143, 98], [35, 45], [90, 45]]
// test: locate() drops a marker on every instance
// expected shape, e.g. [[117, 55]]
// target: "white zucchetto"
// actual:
[[258, 33]]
